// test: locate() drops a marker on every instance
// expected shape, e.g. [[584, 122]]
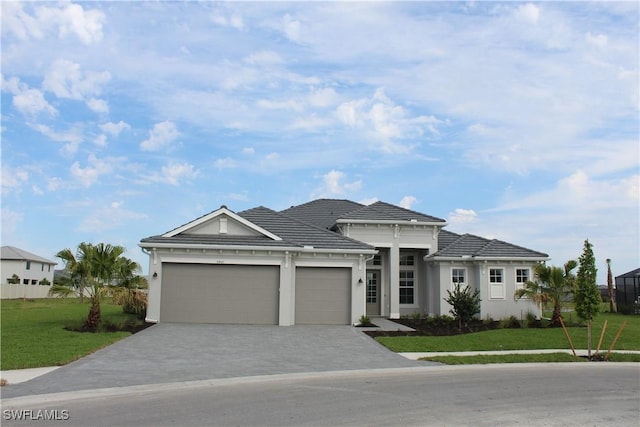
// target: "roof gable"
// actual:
[[221, 222]]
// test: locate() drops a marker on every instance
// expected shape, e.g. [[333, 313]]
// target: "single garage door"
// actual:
[[201, 293], [323, 296]]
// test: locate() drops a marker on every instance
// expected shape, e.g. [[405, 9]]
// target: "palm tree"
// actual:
[[129, 291], [92, 268], [553, 285], [103, 261], [78, 269]]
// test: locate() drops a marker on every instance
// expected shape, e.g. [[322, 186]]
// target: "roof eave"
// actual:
[[306, 249], [390, 222]]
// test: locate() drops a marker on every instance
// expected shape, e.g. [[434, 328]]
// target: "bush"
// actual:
[[511, 322], [465, 304]]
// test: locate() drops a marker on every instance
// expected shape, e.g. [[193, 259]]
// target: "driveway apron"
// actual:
[[175, 352]]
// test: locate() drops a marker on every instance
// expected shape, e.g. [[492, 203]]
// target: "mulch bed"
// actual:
[[431, 327]]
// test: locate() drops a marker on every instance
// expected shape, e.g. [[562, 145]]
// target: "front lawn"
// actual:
[[523, 338], [33, 333]]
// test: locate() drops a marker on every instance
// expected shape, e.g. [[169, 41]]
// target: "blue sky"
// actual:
[[516, 121]]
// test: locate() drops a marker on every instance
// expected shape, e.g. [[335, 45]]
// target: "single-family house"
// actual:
[[326, 262], [24, 274]]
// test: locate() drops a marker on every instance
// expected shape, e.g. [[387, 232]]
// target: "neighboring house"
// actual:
[[628, 292], [326, 262], [25, 275]]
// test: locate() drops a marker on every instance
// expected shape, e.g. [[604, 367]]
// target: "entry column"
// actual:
[[394, 282]]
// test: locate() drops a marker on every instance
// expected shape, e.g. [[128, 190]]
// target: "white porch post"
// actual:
[[394, 282]]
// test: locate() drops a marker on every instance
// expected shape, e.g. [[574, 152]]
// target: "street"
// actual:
[[577, 394]]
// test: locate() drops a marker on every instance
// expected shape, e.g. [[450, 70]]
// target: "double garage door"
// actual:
[[249, 294]]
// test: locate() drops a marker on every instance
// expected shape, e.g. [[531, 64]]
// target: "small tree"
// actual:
[[465, 304], [612, 295], [587, 296]]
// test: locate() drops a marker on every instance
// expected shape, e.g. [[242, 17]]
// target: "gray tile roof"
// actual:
[[445, 238], [17, 254], [479, 247], [381, 211], [322, 212], [294, 233], [299, 232]]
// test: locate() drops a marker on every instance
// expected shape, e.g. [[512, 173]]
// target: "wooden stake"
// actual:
[[606, 357], [604, 328], [566, 333]]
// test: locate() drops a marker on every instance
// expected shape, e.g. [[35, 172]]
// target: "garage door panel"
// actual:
[[202, 293], [323, 296]]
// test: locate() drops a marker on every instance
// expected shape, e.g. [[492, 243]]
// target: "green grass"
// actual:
[[525, 358], [525, 338], [33, 333]]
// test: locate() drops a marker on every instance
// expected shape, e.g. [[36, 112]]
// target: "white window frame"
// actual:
[[465, 280], [413, 268], [496, 288], [520, 284]]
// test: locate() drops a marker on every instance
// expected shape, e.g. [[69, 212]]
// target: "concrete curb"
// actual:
[[418, 355]]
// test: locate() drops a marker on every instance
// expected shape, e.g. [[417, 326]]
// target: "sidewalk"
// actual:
[[16, 376]]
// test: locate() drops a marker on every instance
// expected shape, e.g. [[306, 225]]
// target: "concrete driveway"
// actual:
[[171, 352]]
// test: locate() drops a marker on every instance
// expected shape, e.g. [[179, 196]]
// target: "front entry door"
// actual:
[[373, 292]]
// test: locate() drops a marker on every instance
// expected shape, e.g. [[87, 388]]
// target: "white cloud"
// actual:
[[291, 28], [386, 124], [66, 80], [109, 217], [248, 150], [98, 105], [90, 174], [174, 173], [264, 58], [63, 18], [528, 12], [27, 100], [599, 40], [100, 140], [114, 129], [332, 185], [161, 136], [407, 202], [462, 217], [72, 137], [13, 179], [10, 220], [226, 163], [227, 20]]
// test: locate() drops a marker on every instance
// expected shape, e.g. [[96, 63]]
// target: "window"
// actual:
[[372, 287], [458, 276], [407, 287], [522, 277], [42, 265], [496, 283], [25, 281], [34, 282], [28, 265], [377, 260], [407, 260]]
